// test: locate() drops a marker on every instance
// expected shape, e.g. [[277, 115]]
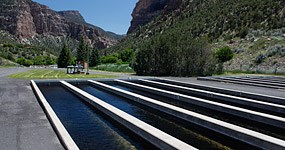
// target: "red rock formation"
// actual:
[[146, 10], [26, 19]]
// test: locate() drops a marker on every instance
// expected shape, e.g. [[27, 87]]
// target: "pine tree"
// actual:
[[82, 51], [94, 58], [64, 58]]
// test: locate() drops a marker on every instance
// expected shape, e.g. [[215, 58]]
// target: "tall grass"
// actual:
[[125, 68]]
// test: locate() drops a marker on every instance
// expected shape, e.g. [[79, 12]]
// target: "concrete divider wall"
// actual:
[[233, 99], [242, 134], [252, 81], [260, 79], [60, 130], [236, 111], [146, 131], [266, 98], [240, 82]]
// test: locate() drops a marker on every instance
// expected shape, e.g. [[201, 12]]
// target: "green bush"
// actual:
[[171, 54], [260, 58], [24, 62], [8, 45], [110, 59], [243, 32], [126, 55], [224, 54]]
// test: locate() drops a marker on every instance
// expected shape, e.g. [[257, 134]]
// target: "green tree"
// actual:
[[82, 50], [48, 60], [38, 60], [94, 58], [126, 55], [64, 58], [175, 55]]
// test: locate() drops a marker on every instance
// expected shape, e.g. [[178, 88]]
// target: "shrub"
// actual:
[[224, 54], [24, 62], [260, 58], [126, 55], [276, 50], [8, 45], [243, 32], [174, 55], [110, 59], [119, 62]]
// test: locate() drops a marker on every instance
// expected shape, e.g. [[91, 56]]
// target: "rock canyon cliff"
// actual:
[[28, 20]]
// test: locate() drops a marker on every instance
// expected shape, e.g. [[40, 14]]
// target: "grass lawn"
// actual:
[[7, 66], [54, 74]]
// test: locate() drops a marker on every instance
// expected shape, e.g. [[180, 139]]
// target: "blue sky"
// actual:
[[111, 15]]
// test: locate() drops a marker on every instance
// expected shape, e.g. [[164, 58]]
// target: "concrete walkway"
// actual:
[[23, 124], [253, 89]]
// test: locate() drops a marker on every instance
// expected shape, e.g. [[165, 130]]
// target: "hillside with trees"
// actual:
[[34, 34], [253, 30]]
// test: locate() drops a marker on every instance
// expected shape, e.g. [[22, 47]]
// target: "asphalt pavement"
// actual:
[[23, 123]]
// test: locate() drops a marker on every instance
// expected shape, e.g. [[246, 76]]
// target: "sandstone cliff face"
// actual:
[[27, 19], [72, 16], [15, 17], [47, 21], [146, 10]]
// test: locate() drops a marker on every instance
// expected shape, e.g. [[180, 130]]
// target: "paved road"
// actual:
[[7, 71], [23, 124]]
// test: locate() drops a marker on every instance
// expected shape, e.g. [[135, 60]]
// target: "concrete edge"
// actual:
[[151, 134], [262, 97], [261, 79], [237, 82], [233, 110], [60, 130], [225, 97], [242, 134], [252, 81]]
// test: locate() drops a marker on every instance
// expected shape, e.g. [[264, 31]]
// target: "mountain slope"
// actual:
[[29, 22], [147, 10], [251, 28], [76, 17]]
